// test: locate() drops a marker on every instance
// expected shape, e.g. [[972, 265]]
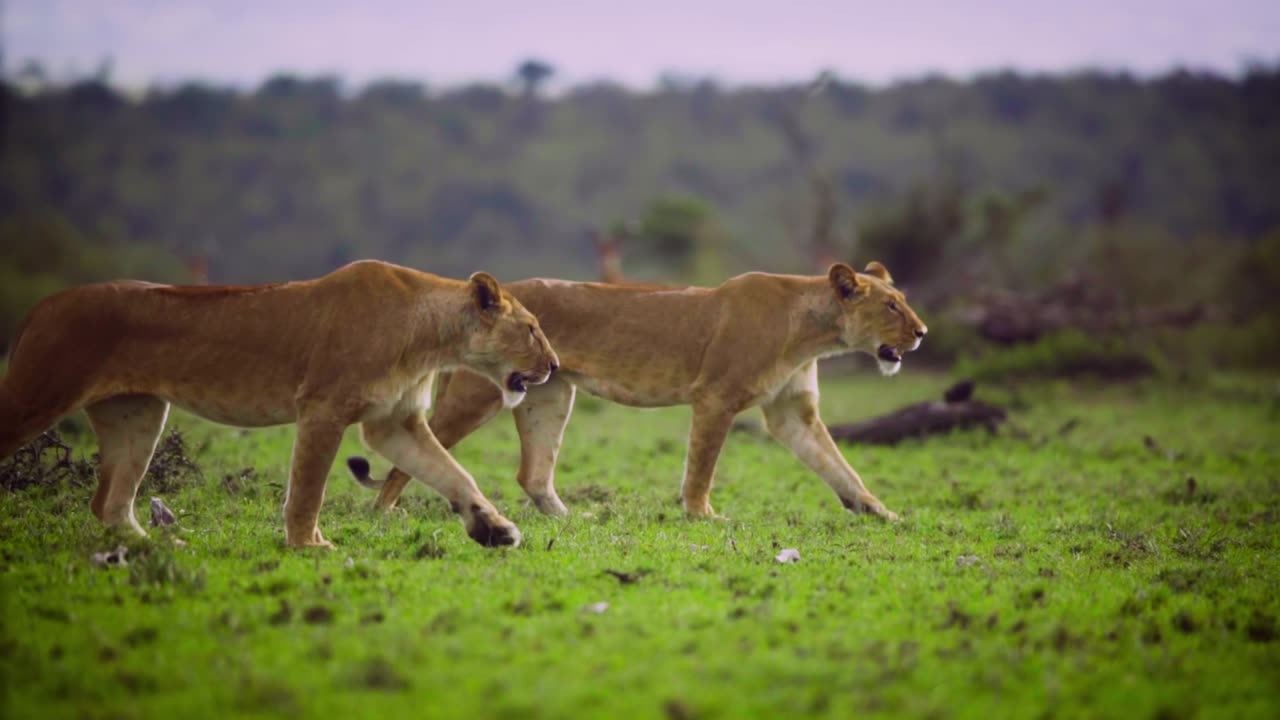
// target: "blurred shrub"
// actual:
[[910, 236], [1065, 354], [44, 254], [680, 232], [1254, 280], [1211, 346]]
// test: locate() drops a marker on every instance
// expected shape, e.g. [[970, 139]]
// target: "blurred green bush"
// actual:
[[44, 254]]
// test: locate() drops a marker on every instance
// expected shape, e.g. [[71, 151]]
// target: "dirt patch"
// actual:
[[1261, 627], [380, 674], [317, 615], [956, 618], [588, 493]]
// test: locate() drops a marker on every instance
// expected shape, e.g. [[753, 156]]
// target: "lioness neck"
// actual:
[[814, 329], [442, 324]]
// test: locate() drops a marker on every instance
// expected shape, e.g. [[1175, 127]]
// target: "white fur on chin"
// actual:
[[511, 398], [889, 368]]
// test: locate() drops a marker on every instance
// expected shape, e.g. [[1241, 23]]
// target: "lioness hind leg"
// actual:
[[128, 427], [540, 420], [313, 452], [706, 437], [24, 415]]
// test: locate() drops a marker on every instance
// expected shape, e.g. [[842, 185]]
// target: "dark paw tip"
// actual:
[[491, 535], [358, 466]]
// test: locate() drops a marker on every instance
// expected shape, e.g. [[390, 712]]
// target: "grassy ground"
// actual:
[[1103, 585]]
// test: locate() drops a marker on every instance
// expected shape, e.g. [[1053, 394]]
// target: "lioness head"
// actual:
[[509, 348], [875, 316]]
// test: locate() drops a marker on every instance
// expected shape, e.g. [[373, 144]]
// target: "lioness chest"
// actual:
[[398, 395]]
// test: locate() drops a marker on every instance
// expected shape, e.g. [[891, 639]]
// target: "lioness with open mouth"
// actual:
[[360, 345], [754, 340]]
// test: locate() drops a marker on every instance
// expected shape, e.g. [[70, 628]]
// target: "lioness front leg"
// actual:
[[409, 443], [540, 420], [313, 453], [793, 420], [706, 437], [464, 402]]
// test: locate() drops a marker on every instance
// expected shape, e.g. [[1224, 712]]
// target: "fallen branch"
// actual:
[[958, 411]]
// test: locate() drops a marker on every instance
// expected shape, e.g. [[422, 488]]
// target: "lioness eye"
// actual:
[[532, 332], [893, 306]]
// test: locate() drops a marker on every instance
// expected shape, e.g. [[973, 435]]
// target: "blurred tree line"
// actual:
[[1005, 179]]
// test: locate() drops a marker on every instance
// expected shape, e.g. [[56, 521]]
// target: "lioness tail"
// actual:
[[359, 468]]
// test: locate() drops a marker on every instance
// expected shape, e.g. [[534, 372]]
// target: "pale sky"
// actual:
[[443, 42]]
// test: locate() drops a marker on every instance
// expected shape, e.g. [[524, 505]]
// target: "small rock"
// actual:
[[696, 548], [113, 558], [598, 608], [161, 515], [965, 561], [788, 555]]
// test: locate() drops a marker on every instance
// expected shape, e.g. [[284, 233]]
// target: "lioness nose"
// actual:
[[554, 366], [921, 331]]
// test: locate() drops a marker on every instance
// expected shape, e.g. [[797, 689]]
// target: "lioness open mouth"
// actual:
[[888, 354], [516, 382]]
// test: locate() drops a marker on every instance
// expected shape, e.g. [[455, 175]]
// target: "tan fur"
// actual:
[[360, 345], [752, 341]]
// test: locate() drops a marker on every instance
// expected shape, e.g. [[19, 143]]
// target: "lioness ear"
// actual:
[[875, 268], [485, 291], [844, 280]]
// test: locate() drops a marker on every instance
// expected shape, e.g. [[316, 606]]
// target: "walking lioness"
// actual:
[[361, 344], [754, 340]]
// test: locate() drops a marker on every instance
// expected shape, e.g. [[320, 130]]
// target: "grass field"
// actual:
[[1106, 583]]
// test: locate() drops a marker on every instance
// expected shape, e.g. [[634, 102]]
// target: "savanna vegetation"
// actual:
[[1112, 551]]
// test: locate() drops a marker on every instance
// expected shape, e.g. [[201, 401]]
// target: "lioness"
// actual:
[[754, 340], [361, 344]]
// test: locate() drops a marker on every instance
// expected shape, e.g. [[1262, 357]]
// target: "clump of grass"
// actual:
[[47, 460], [171, 466], [153, 564], [380, 674]]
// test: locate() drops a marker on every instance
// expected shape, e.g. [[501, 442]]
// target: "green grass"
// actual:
[[1102, 588]]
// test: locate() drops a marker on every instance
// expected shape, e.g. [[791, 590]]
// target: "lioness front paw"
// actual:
[[703, 511], [311, 539], [487, 527], [870, 506]]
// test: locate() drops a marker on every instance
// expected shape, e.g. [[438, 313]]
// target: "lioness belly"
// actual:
[[636, 393], [238, 409]]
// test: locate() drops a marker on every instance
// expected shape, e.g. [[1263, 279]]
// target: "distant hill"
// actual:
[[297, 177]]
